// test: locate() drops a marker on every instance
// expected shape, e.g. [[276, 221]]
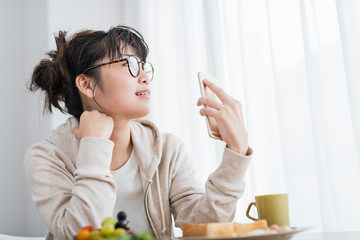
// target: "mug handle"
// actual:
[[248, 211]]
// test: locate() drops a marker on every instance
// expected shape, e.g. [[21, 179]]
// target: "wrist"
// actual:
[[97, 135], [238, 149]]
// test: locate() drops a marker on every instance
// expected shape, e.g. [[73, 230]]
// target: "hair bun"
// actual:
[[59, 56], [51, 75]]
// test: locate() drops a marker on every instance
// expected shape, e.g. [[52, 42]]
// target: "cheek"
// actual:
[[118, 93]]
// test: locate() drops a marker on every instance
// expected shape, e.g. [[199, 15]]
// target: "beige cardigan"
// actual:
[[72, 185]]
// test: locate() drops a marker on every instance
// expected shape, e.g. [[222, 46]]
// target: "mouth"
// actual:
[[145, 92], [142, 93]]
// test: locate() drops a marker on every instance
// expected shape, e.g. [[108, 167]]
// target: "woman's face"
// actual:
[[121, 95]]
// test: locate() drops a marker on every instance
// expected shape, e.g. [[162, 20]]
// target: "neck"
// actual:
[[123, 144]]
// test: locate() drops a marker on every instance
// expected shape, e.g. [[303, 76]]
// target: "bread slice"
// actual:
[[242, 228], [220, 229], [194, 230]]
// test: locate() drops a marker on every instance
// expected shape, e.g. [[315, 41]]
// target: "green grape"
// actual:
[[119, 232], [124, 237], [107, 229], [148, 236], [109, 220], [95, 235], [144, 236]]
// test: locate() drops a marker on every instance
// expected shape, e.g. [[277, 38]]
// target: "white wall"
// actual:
[[23, 39]]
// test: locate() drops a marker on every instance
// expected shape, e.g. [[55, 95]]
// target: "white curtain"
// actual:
[[295, 67]]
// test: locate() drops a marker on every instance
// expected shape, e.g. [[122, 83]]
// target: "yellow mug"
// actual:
[[274, 208]]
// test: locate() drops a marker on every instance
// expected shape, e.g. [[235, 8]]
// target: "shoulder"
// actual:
[[59, 148], [171, 140], [39, 151], [63, 133], [42, 160], [33, 153]]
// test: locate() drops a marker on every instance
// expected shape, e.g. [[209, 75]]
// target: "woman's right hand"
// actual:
[[94, 124]]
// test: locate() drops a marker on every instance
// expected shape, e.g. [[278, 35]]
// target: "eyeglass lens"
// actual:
[[134, 66], [148, 69]]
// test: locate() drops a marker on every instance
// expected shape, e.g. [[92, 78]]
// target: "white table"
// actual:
[[7, 237], [355, 235]]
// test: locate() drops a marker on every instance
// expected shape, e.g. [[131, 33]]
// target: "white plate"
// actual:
[[272, 236]]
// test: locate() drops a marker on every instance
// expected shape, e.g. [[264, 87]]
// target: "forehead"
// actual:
[[124, 54], [122, 50], [128, 51]]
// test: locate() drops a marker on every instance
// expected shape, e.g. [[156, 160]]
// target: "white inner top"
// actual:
[[130, 195]]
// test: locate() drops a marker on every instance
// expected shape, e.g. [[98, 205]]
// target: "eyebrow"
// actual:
[[138, 58], [122, 55]]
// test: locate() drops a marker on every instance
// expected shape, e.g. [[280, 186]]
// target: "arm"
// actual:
[[224, 186], [222, 190], [68, 201]]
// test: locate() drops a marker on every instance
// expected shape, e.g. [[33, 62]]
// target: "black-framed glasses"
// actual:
[[134, 66]]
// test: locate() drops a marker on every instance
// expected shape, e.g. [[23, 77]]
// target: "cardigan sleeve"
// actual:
[[223, 188], [69, 200]]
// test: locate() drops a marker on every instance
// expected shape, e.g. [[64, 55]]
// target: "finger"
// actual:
[[222, 95], [75, 132], [209, 102], [210, 112], [74, 129]]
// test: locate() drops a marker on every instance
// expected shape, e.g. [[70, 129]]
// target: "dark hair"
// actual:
[[56, 76]]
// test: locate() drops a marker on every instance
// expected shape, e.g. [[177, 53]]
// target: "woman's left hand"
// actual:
[[228, 115]]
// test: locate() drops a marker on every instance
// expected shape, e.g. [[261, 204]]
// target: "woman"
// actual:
[[102, 160]]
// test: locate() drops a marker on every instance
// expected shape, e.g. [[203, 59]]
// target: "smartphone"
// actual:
[[211, 124]]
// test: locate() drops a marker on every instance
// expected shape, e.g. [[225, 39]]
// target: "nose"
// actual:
[[143, 78]]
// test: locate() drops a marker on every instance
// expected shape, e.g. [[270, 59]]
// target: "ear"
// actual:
[[85, 85]]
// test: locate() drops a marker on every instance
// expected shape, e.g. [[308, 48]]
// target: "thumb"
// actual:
[[75, 131]]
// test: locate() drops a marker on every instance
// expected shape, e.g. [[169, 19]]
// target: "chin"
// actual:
[[142, 113]]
